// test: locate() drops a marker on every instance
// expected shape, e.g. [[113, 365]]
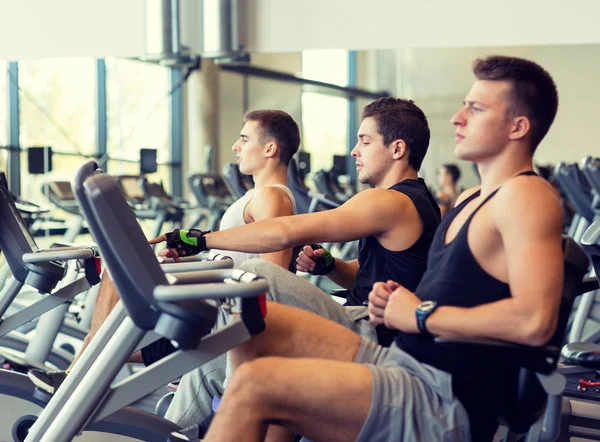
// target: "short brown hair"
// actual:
[[279, 126], [533, 93], [453, 170], [397, 118]]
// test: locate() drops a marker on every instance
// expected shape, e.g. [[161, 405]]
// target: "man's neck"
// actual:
[[496, 171], [392, 178], [269, 176]]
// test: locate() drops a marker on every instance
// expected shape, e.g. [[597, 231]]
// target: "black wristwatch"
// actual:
[[424, 310]]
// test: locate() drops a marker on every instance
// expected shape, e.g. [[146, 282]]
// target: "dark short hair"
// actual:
[[533, 93], [279, 126], [401, 119], [453, 170]]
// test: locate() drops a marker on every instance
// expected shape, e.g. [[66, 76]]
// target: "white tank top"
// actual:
[[234, 217]]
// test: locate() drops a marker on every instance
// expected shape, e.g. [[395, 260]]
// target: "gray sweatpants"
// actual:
[[193, 400]]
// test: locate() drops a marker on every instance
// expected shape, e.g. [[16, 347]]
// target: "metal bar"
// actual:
[[193, 266], [101, 110], [42, 306], [85, 361], [192, 292], [176, 151], [311, 85], [75, 154], [58, 255], [172, 367], [93, 386], [47, 330], [7, 296], [352, 123], [14, 130]]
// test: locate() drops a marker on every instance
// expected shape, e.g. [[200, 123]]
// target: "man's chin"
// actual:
[[463, 154]]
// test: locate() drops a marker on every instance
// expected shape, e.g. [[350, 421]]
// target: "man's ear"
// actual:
[[399, 149], [271, 149], [521, 127]]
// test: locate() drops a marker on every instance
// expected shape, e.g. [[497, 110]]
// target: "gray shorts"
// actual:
[[411, 401]]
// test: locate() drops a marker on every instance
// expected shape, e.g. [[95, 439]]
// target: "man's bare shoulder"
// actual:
[[466, 194], [269, 197], [267, 192], [527, 200]]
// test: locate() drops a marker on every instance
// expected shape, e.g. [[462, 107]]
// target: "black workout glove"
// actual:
[[190, 242], [323, 264]]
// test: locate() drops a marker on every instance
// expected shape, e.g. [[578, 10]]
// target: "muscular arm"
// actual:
[[371, 212], [344, 273], [531, 235], [268, 203]]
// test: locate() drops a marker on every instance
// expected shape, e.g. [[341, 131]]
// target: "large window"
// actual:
[[324, 117], [137, 115], [57, 109], [3, 113]]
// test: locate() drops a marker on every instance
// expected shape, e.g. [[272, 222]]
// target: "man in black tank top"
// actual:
[[494, 271], [394, 222]]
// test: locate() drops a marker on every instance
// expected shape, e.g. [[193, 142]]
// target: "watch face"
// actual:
[[427, 305]]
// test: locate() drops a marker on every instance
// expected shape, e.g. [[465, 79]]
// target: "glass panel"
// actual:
[[324, 128], [57, 109], [324, 117], [328, 65], [57, 104], [138, 105]]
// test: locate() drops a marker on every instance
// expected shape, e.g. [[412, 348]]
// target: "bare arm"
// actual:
[[344, 273], [371, 212], [531, 235], [267, 203]]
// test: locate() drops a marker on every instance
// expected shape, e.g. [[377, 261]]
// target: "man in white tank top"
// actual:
[[268, 140]]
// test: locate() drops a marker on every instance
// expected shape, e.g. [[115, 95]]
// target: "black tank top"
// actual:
[[481, 381], [407, 266]]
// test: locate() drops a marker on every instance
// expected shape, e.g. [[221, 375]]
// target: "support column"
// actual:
[[202, 118]]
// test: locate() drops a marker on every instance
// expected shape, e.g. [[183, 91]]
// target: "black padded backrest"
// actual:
[[295, 179], [298, 188], [3, 180], [576, 265], [530, 398], [246, 181], [590, 167], [153, 190], [60, 193], [321, 179], [333, 181], [591, 244], [15, 238], [232, 179], [131, 186], [61, 190], [205, 186], [123, 246], [576, 188]]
